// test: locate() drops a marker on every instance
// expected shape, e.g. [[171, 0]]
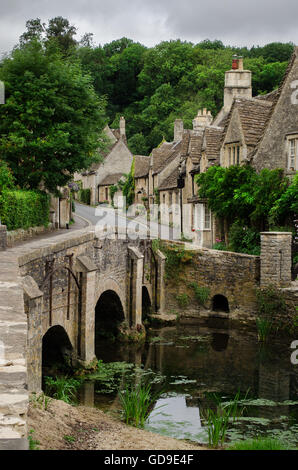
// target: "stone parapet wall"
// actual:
[[13, 372], [17, 236]]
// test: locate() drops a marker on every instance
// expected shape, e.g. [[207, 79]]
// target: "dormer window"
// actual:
[[293, 152], [233, 154]]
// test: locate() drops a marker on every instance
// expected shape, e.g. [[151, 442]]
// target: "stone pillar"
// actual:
[[137, 282], [275, 259], [86, 326], [33, 299], [64, 213], [3, 238], [161, 259]]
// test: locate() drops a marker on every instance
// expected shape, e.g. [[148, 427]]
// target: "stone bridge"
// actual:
[[61, 290], [56, 292]]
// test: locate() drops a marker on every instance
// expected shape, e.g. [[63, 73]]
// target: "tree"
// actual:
[[51, 124], [117, 46], [35, 30], [6, 177], [60, 30]]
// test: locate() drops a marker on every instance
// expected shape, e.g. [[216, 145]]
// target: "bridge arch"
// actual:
[[150, 276], [146, 302], [56, 347], [109, 314], [220, 303]]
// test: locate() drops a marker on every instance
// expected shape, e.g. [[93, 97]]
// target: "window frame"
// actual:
[[292, 157]]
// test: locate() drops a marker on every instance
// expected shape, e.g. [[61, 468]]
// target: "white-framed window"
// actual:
[[202, 217], [207, 218], [293, 153]]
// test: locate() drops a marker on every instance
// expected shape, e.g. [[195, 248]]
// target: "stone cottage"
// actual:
[[142, 165], [262, 131], [116, 162]]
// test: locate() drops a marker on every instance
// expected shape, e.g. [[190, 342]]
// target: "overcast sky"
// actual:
[[235, 22]]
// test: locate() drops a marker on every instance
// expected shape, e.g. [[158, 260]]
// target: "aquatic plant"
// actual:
[[264, 327], [218, 420], [137, 403], [260, 443]]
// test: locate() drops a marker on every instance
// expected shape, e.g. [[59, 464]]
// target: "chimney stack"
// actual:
[[122, 127], [178, 130], [204, 118], [237, 83]]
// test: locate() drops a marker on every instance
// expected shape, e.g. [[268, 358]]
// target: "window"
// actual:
[[202, 217], [292, 153], [207, 218], [233, 154]]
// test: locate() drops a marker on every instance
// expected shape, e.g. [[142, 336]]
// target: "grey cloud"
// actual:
[[150, 21]]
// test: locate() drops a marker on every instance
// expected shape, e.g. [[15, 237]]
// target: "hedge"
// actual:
[[24, 209], [84, 195]]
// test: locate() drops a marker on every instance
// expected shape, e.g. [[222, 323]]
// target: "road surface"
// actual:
[[104, 216]]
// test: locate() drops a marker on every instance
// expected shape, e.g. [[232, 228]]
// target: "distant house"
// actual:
[[116, 162], [142, 165]]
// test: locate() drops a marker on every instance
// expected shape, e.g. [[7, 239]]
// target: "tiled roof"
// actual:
[[111, 179], [195, 146], [275, 96], [142, 164], [170, 182], [163, 155], [212, 142], [254, 114]]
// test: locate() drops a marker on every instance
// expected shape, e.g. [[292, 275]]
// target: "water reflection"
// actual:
[[196, 361]]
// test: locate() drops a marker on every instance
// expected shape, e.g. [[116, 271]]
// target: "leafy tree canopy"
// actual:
[[51, 124]]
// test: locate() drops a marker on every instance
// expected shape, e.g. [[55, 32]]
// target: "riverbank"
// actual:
[[65, 427]]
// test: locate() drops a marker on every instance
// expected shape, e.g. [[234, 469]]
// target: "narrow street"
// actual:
[[109, 217]]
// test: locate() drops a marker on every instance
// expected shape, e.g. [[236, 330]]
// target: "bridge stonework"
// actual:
[[63, 283], [57, 282]]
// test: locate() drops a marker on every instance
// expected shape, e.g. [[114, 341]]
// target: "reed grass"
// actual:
[[264, 327], [218, 420], [137, 403]]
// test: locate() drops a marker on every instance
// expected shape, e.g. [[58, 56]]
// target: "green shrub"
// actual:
[[176, 257], [273, 313], [7, 179], [244, 239], [24, 209], [182, 299], [62, 388], [219, 246], [201, 293], [84, 195]]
